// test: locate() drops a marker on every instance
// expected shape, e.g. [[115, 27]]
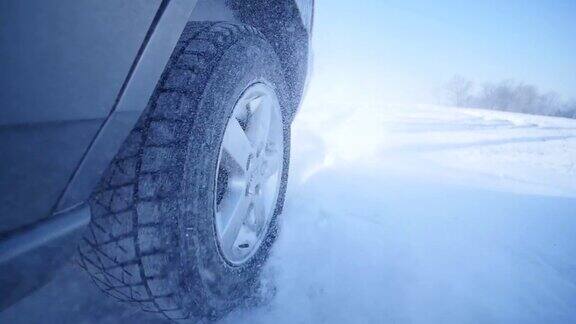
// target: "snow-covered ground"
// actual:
[[426, 215], [404, 214]]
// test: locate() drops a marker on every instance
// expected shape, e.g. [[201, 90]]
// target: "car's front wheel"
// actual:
[[186, 214]]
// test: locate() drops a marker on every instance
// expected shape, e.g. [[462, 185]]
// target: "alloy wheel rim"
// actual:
[[248, 180]]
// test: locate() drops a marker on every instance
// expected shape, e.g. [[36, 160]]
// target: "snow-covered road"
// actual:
[[405, 214]]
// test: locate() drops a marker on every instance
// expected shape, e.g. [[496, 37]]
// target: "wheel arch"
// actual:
[[286, 25]]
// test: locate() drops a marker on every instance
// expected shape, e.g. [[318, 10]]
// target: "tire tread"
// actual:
[[122, 250]]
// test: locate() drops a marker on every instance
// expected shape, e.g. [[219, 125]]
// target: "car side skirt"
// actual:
[[31, 255]]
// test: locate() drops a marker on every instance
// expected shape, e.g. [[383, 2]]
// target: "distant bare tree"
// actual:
[[525, 98], [495, 96], [549, 102], [508, 95], [459, 90], [570, 109]]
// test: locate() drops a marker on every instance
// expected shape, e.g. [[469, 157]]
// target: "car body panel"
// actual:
[[37, 161], [29, 259], [62, 67], [132, 100]]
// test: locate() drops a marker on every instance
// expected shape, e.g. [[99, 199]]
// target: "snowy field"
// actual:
[[404, 215]]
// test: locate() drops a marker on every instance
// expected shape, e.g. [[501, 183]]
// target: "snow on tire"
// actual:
[[153, 237]]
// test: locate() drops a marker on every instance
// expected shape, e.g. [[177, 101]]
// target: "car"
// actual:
[[150, 139]]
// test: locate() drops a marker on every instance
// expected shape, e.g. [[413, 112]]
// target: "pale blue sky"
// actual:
[[398, 51]]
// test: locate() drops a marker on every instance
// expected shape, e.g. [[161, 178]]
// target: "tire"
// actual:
[[153, 240]]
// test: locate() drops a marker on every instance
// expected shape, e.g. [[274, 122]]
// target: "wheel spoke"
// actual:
[[234, 223], [259, 123], [254, 103], [272, 166], [260, 216], [236, 144]]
